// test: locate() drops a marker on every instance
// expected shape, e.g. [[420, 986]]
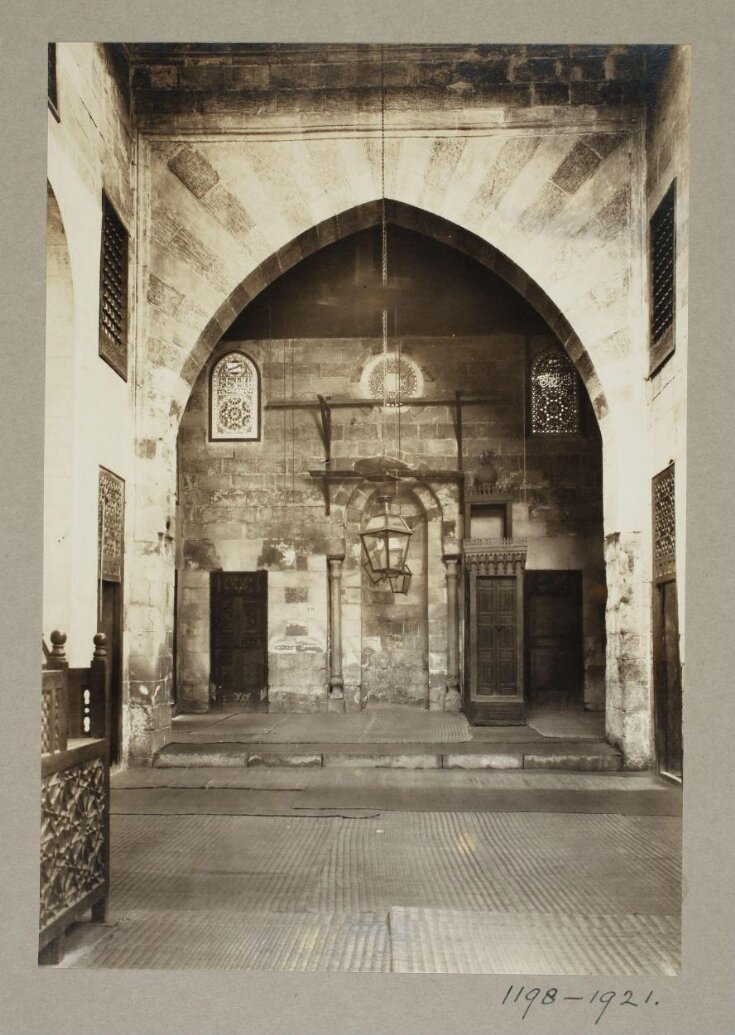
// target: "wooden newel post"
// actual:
[[57, 657], [336, 680], [100, 668]]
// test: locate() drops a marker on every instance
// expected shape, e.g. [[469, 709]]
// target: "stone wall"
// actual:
[[629, 558], [195, 81], [248, 505], [245, 164], [395, 641]]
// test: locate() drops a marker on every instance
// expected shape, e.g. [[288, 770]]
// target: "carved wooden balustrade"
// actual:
[[75, 794]]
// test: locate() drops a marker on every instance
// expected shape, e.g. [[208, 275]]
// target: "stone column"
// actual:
[[336, 681], [453, 700]]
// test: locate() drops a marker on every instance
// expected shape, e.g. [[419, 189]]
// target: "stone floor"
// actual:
[[378, 870], [389, 737]]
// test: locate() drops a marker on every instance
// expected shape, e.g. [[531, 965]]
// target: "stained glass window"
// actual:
[[554, 395], [235, 399]]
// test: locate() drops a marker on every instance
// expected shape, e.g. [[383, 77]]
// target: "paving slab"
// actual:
[[364, 799], [590, 761], [284, 779], [415, 759], [217, 940], [479, 759], [441, 891], [430, 941]]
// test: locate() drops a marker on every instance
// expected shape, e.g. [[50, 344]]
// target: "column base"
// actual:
[[452, 701], [336, 704]]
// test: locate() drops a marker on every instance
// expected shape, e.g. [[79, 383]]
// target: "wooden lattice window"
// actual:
[[110, 526], [554, 395], [664, 523], [52, 91], [234, 399], [113, 346], [663, 277]]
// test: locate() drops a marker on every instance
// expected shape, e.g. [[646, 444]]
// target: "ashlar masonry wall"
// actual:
[[667, 160], [234, 194], [249, 505]]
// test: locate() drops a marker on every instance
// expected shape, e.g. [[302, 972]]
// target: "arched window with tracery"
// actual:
[[234, 399], [554, 395]]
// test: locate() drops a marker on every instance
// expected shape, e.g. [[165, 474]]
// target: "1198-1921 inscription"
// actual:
[[526, 997]]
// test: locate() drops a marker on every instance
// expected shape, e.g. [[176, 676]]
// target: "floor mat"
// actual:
[[379, 725], [570, 723]]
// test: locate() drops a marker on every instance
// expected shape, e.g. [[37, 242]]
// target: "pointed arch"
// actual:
[[364, 216]]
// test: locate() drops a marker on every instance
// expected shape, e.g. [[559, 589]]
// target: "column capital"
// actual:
[[334, 567]]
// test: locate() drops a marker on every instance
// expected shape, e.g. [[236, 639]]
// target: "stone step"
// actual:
[[575, 756]]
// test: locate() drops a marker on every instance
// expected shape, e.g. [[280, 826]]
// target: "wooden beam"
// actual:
[[351, 404], [398, 474]]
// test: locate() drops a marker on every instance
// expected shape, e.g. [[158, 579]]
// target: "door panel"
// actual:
[[496, 636], [239, 638], [554, 637], [494, 691], [111, 626], [667, 674]]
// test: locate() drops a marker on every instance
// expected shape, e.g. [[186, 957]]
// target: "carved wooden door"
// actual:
[[239, 638], [554, 637], [494, 687], [496, 636]]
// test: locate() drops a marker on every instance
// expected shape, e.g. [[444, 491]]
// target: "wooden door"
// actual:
[[666, 667], [496, 636], [239, 638], [495, 683], [667, 677], [554, 645], [111, 626]]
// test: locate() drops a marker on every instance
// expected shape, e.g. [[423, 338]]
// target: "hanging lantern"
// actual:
[[385, 540], [375, 578], [401, 583]]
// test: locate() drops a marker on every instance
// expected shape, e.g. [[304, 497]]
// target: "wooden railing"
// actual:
[[75, 794]]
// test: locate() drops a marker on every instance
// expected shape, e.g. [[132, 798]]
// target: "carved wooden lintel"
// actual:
[[495, 556]]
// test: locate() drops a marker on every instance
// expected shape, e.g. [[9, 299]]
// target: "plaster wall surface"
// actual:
[[667, 155], [90, 408]]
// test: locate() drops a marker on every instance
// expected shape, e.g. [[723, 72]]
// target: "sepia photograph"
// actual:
[[364, 508]]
